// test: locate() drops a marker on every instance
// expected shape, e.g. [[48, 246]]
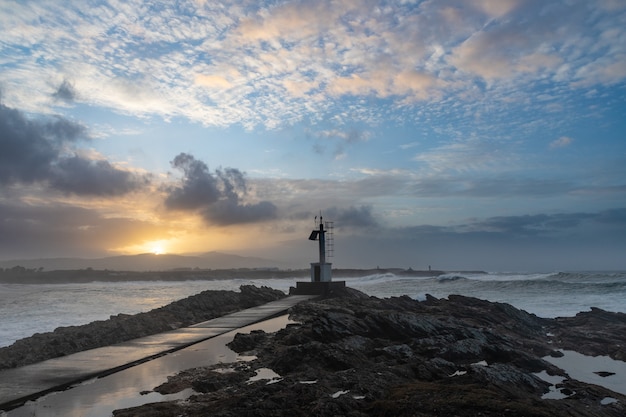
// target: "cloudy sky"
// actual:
[[478, 134]]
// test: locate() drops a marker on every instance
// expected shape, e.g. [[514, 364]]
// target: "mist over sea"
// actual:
[[26, 309]]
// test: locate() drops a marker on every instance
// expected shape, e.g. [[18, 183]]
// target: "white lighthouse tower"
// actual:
[[321, 272]]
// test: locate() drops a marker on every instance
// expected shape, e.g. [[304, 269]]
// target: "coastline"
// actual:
[[360, 355], [123, 327], [36, 276]]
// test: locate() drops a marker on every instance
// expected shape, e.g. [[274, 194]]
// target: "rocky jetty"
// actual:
[[122, 327], [362, 356]]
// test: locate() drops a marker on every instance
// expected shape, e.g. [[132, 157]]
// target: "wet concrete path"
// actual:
[[29, 382]]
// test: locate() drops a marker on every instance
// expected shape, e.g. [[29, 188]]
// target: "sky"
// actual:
[[461, 134]]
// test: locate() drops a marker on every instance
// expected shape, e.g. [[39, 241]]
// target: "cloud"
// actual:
[[561, 142], [38, 151], [66, 92], [213, 81], [501, 186], [613, 217], [528, 242], [501, 53], [218, 197], [495, 9], [56, 229], [199, 187], [291, 21], [351, 217], [519, 226], [82, 176], [465, 155], [348, 136], [274, 64], [536, 242]]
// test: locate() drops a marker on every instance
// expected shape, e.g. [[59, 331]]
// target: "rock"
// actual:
[[596, 332], [122, 327], [247, 341], [364, 356]]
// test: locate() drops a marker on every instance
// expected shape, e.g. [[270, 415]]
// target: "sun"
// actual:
[[157, 250], [157, 247]]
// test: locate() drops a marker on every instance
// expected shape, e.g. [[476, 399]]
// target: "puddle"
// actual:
[[339, 394], [590, 368], [608, 400], [554, 393], [265, 374]]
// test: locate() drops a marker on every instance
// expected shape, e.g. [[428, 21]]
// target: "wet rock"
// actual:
[[122, 327], [363, 356], [246, 342], [596, 332]]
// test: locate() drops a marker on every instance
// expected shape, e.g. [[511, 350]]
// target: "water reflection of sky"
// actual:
[[99, 397], [584, 368]]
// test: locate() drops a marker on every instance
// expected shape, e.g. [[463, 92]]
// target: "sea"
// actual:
[[26, 309]]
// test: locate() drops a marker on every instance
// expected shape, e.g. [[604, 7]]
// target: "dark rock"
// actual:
[[363, 356], [596, 332], [245, 342], [604, 374], [122, 327]]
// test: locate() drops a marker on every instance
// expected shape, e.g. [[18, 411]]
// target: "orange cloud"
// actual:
[[414, 83], [288, 21], [213, 81], [495, 8]]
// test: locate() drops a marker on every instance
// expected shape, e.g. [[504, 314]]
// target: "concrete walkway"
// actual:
[[18, 385]]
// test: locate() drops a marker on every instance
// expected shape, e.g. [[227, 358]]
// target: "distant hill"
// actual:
[[147, 262]]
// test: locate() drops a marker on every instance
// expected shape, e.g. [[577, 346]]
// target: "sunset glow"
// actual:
[[157, 249]]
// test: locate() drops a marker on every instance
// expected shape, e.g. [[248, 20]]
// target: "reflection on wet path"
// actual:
[[100, 396]]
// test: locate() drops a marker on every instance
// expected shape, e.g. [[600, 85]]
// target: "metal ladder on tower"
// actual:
[[330, 239]]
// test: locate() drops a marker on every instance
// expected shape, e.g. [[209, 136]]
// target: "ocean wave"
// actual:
[[374, 278], [450, 278], [589, 277]]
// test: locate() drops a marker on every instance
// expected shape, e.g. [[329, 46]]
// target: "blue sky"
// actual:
[[475, 134]]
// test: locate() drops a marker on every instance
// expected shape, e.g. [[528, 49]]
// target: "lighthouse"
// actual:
[[320, 271]]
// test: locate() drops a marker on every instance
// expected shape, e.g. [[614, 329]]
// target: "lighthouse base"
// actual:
[[322, 288], [321, 272]]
